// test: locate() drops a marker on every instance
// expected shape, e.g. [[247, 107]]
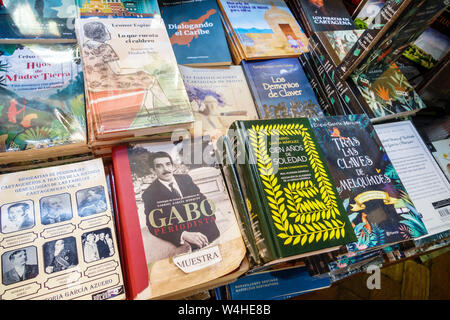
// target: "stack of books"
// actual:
[[261, 30]]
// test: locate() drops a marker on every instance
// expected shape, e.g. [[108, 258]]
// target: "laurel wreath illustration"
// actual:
[[303, 211]]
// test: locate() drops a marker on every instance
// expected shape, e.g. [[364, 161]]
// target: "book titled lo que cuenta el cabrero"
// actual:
[[178, 227], [288, 188]]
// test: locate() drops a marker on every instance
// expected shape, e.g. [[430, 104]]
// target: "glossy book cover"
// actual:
[[42, 96], [265, 28], [281, 89], [185, 232], [326, 15], [194, 27], [119, 8], [37, 20], [289, 187], [132, 77], [376, 201], [219, 96]]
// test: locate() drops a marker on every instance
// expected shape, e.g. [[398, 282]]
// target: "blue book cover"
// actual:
[[196, 32], [276, 285], [37, 20], [281, 89]]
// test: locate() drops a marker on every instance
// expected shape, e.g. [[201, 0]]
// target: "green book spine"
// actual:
[[250, 193], [225, 157], [290, 188]]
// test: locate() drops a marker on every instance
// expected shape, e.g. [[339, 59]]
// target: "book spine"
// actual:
[[135, 265], [333, 96], [244, 159], [381, 23], [224, 155], [406, 30], [357, 106], [315, 84], [253, 90]]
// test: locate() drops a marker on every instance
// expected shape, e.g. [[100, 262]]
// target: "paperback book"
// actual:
[[118, 8], [218, 97], [196, 32], [57, 235], [275, 285], [133, 84], [25, 21], [288, 189], [422, 177], [42, 107], [281, 89], [325, 15], [178, 226], [263, 29], [376, 201]]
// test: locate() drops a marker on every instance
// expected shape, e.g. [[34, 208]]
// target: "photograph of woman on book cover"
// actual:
[[60, 255], [56, 208], [91, 201], [105, 73], [19, 265], [97, 245], [17, 216]]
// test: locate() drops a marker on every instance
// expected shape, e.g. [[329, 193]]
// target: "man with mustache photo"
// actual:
[[166, 201]]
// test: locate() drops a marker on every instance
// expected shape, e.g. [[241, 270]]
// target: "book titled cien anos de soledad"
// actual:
[[288, 188], [133, 85], [57, 235], [178, 227]]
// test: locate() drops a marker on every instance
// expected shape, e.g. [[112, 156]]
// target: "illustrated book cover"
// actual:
[[377, 203], [281, 89], [132, 79], [441, 153], [196, 32], [422, 177], [218, 97], [179, 229], [118, 8], [326, 15], [290, 193], [24, 21], [57, 235], [264, 29], [42, 105]]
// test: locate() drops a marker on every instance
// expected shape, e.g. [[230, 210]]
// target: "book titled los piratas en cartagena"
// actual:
[[37, 21], [281, 89], [132, 79], [196, 32], [177, 223], [42, 106], [325, 15], [376, 201], [57, 235], [289, 190]]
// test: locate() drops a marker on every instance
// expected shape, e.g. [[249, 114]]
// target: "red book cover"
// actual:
[[135, 266]]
